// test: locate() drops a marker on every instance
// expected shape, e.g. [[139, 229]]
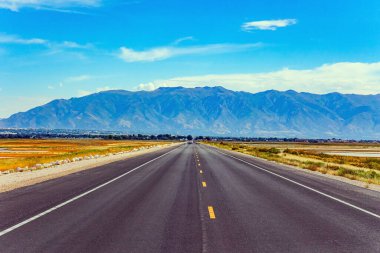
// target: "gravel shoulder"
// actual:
[[16, 180]]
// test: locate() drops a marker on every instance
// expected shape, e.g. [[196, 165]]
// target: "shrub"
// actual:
[[341, 171], [312, 165], [274, 151], [373, 163], [332, 167]]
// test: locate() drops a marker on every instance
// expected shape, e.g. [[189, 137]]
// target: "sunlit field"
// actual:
[[27, 153], [351, 160]]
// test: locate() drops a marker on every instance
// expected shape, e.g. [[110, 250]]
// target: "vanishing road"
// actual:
[[190, 198]]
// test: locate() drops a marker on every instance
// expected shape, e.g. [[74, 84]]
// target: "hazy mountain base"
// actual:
[[212, 111]]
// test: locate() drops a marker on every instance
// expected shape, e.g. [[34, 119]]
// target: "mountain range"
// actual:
[[213, 111]]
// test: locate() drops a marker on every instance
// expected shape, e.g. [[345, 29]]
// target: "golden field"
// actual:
[[22, 153], [359, 161]]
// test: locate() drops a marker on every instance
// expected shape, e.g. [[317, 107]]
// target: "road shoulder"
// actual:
[[13, 181], [294, 168]]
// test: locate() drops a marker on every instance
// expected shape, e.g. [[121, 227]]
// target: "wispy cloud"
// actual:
[[268, 24], [149, 86], [344, 77], [49, 47], [15, 5], [71, 44], [53, 87], [183, 39], [78, 78], [100, 89], [162, 53], [14, 39]]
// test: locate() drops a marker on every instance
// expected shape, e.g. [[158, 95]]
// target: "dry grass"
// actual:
[[312, 157], [28, 152]]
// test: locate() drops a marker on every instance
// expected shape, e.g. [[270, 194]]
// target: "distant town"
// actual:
[[11, 133]]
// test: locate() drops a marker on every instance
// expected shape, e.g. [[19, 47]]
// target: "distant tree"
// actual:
[[189, 137]]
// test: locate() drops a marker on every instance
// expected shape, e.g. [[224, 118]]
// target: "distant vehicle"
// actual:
[[190, 142]]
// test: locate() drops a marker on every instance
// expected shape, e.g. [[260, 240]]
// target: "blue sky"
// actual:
[[65, 48]]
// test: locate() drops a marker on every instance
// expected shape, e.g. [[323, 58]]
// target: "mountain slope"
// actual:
[[212, 111]]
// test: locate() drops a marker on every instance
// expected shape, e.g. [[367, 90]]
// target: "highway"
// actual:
[[190, 198]]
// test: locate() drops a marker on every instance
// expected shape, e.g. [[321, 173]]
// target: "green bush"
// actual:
[[274, 151], [341, 171]]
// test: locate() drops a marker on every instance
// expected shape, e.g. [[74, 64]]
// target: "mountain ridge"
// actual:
[[212, 111]]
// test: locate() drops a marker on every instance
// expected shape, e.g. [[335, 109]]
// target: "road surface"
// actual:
[[190, 198]]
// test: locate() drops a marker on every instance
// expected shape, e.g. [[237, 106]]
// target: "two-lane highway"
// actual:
[[191, 198]]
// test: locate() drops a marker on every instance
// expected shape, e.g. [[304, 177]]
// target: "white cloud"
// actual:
[[78, 78], [71, 44], [180, 40], [83, 93], [268, 24], [147, 86], [344, 77], [162, 53], [99, 89], [47, 47], [15, 5], [52, 87], [13, 39]]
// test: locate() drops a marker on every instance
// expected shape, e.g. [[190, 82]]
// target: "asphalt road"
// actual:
[[190, 198]]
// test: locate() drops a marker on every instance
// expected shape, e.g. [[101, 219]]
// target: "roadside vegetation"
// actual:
[[312, 157], [30, 154]]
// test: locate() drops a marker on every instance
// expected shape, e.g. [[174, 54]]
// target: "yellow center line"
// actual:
[[201, 171], [204, 184], [199, 164], [211, 212]]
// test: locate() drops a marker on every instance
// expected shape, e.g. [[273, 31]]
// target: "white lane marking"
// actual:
[[304, 186], [77, 197]]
